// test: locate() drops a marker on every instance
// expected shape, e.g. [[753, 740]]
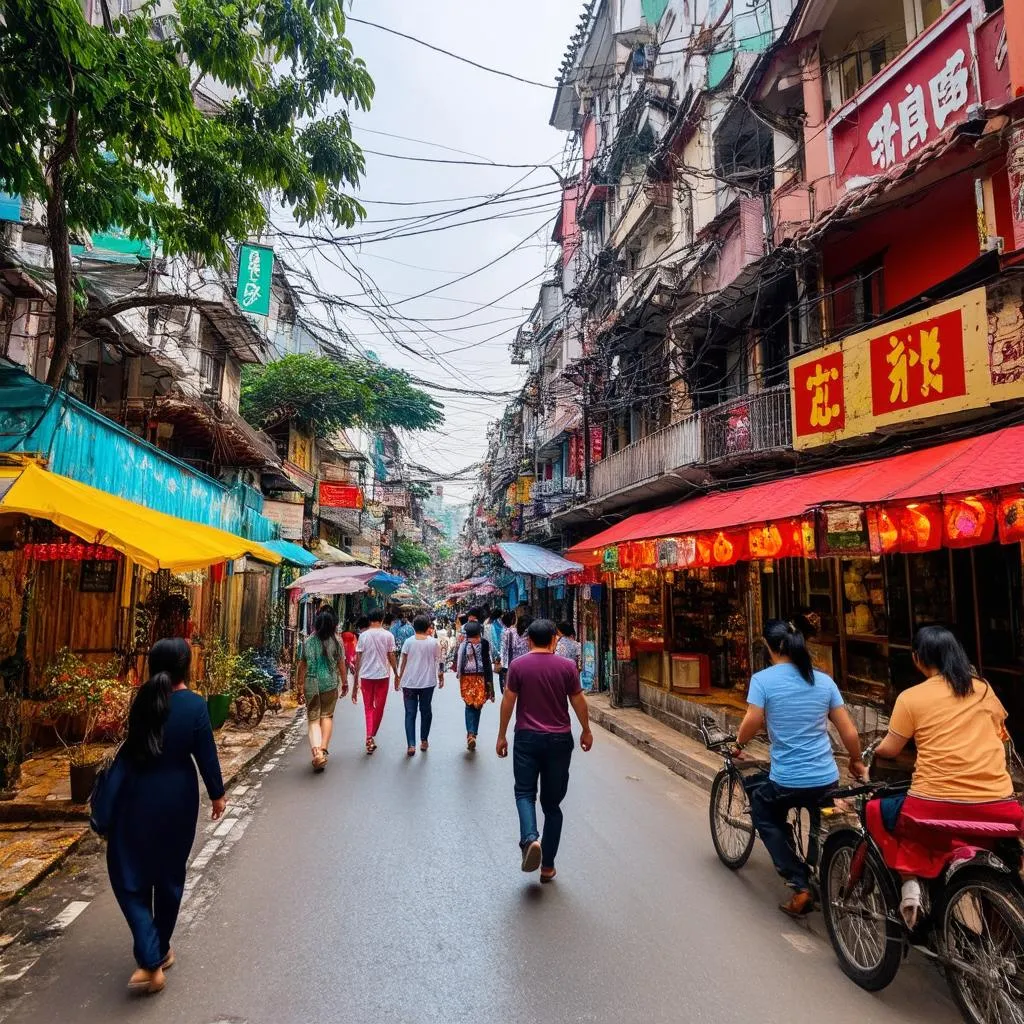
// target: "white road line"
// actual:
[[69, 913], [800, 942], [225, 826], [16, 971], [240, 791], [203, 857]]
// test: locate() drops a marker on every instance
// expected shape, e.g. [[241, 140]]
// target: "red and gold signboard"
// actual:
[[334, 495], [932, 363], [924, 92]]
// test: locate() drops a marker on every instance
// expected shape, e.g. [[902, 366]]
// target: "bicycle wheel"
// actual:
[[732, 829], [981, 929], [860, 916]]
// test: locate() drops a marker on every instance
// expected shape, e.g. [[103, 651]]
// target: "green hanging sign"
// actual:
[[255, 270]]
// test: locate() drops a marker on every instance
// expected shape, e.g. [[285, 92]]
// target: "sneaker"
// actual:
[[801, 904], [531, 856], [471, 742]]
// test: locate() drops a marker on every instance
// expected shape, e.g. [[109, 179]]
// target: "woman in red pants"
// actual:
[[374, 665]]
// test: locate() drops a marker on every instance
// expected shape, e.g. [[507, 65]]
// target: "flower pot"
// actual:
[[218, 705], [83, 778]]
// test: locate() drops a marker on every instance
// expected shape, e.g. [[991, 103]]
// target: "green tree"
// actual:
[[408, 557], [100, 123], [325, 394]]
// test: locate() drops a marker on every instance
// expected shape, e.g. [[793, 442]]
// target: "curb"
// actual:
[[690, 768], [82, 817]]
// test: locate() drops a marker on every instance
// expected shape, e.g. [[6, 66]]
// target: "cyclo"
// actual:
[[973, 921]]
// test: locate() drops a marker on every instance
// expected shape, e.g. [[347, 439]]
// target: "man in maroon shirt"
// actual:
[[539, 688]]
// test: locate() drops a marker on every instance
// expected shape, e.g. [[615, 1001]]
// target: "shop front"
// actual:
[[862, 556]]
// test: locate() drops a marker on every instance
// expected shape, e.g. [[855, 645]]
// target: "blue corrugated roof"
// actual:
[[531, 560], [81, 443], [294, 554]]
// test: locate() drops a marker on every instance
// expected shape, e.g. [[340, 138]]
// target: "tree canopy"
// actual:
[[103, 124], [326, 394], [408, 557]]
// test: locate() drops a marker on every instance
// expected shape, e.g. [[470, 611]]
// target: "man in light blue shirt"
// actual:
[[796, 703], [401, 631]]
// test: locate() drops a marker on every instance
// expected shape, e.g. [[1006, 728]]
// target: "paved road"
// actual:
[[389, 890]]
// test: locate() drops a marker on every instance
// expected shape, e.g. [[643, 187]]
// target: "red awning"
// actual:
[[974, 465]]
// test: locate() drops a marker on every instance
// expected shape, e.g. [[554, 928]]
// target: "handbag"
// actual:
[[106, 795]]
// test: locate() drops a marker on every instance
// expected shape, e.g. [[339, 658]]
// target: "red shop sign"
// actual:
[[340, 495], [819, 396], [921, 364], [929, 88]]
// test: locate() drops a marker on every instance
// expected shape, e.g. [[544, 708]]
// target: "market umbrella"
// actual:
[[334, 575]]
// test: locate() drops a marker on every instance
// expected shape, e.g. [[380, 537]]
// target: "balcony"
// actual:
[[749, 425], [647, 460]]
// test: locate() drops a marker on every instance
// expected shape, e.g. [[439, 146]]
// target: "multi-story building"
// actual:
[[789, 241]]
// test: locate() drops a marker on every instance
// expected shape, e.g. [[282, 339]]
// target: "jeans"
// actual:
[[472, 720], [770, 805], [418, 700], [151, 916], [541, 757]]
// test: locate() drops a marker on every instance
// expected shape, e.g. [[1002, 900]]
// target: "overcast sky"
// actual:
[[428, 96]]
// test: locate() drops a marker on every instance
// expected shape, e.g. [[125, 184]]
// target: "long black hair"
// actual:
[[524, 623], [325, 623], [937, 648], [169, 663], [786, 639]]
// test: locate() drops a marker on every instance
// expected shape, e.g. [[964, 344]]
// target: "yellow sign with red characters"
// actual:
[[933, 363]]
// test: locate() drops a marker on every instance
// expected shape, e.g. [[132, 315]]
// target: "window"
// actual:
[[211, 370], [857, 298], [857, 69]]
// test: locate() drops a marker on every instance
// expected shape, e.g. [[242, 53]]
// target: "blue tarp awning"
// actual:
[[531, 560], [293, 554], [385, 583]]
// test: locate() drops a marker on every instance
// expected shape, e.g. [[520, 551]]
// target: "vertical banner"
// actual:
[[255, 270]]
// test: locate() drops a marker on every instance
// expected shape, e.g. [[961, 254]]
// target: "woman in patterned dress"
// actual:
[[476, 678]]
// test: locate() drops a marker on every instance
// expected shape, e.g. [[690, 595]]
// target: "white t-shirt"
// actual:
[[375, 644], [422, 657]]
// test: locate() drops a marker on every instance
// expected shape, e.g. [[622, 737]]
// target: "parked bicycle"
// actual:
[[973, 921]]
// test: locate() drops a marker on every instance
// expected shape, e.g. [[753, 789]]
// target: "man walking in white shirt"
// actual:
[[375, 661]]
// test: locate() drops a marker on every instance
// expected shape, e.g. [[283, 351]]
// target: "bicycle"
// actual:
[[972, 925], [731, 820]]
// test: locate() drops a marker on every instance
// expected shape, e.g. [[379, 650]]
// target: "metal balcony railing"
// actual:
[[653, 456], [747, 425]]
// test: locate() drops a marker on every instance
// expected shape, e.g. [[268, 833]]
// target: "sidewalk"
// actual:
[[41, 827], [679, 753]]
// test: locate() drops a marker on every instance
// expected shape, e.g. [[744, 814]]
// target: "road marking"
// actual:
[[203, 857], [225, 826], [240, 791], [69, 913], [800, 942], [16, 971]]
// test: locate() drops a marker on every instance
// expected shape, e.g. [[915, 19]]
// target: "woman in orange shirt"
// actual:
[[958, 725]]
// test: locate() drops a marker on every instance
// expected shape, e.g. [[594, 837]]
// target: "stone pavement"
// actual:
[[676, 751], [40, 827]]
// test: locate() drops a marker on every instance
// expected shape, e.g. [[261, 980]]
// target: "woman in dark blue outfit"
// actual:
[[157, 806]]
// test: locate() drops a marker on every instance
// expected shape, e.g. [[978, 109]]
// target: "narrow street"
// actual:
[[388, 889]]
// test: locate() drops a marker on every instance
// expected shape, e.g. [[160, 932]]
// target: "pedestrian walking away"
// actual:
[[420, 672], [375, 661], [476, 679], [401, 630], [513, 641], [156, 806], [540, 689], [320, 675], [502, 626], [568, 646]]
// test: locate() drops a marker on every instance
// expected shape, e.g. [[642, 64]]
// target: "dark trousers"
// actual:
[[541, 757], [770, 805], [421, 701], [151, 915], [502, 673]]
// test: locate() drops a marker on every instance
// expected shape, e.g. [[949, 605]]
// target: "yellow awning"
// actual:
[[152, 539]]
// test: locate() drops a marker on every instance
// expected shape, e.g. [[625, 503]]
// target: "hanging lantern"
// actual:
[[883, 531], [765, 541], [702, 549], [727, 548], [968, 521], [920, 527], [1011, 518], [808, 542]]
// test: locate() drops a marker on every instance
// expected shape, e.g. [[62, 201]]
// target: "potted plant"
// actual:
[[221, 683], [77, 696]]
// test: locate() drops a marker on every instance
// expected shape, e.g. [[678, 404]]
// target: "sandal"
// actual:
[[370, 745], [545, 878], [410, 751], [424, 746], [471, 742]]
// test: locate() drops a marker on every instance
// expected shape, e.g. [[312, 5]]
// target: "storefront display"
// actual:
[[707, 617]]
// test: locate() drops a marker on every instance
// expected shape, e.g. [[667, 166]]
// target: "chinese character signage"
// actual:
[[334, 495], [255, 269], [929, 88], [940, 361]]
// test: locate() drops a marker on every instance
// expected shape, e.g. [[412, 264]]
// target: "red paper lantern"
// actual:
[[920, 527], [883, 531], [765, 541], [1011, 518], [968, 521]]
